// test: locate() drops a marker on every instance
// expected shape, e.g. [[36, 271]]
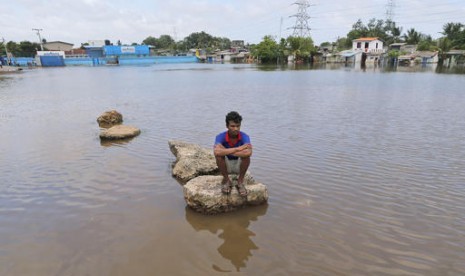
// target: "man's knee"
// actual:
[[220, 160], [245, 159]]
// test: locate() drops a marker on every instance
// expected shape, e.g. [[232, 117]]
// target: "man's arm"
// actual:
[[241, 151], [244, 151]]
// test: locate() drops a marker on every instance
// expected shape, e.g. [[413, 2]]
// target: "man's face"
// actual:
[[233, 128]]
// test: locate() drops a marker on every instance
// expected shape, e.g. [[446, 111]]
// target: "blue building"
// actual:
[[123, 55]]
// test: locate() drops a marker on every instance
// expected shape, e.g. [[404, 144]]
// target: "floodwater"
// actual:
[[365, 171]]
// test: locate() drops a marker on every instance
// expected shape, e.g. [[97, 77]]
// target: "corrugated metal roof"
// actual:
[[426, 54], [456, 52], [347, 53]]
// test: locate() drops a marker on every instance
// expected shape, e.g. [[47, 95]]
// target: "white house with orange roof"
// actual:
[[370, 49], [372, 45]]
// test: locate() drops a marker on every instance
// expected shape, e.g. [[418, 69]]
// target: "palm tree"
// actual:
[[455, 32], [452, 29], [444, 45], [412, 36]]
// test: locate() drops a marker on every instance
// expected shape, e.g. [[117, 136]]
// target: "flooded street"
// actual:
[[365, 171]]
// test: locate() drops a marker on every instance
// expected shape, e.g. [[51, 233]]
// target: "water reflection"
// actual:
[[238, 245], [118, 142], [450, 70], [425, 68]]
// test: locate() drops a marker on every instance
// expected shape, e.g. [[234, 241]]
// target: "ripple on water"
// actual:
[[361, 181]]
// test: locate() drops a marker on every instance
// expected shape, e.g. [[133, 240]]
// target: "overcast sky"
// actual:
[[77, 21]]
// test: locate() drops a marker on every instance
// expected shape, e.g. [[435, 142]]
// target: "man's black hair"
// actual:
[[233, 116]]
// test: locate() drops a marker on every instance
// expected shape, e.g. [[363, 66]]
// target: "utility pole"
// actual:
[[6, 51], [40, 39], [279, 41], [390, 12], [175, 34], [301, 28]]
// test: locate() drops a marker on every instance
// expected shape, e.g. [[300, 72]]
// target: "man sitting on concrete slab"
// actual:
[[232, 152]]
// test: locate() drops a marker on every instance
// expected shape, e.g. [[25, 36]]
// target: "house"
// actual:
[[418, 57], [237, 44], [368, 49], [424, 57], [58, 46], [346, 56], [454, 57], [408, 48], [368, 45], [396, 46], [407, 59]]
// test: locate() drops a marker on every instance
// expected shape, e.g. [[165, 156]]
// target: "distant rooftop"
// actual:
[[50, 42], [366, 39]]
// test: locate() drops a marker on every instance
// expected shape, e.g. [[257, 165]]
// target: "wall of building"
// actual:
[[58, 46], [372, 45], [138, 50]]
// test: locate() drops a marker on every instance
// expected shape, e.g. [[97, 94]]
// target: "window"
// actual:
[[359, 45], [376, 45]]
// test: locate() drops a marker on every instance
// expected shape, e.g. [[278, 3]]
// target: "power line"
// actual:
[[390, 11], [301, 28]]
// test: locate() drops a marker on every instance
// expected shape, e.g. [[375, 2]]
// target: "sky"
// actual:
[[78, 21]]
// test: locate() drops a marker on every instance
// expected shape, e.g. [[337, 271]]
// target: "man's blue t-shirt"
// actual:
[[223, 138]]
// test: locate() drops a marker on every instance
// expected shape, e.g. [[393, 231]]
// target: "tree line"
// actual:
[[196, 40], [269, 50], [22, 49], [453, 34], [302, 49]]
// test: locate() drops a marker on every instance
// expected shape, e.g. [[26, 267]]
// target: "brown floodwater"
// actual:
[[365, 171]]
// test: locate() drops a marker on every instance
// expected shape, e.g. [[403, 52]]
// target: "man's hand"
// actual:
[[241, 151], [244, 147]]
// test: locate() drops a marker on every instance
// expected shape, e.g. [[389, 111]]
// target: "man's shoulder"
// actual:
[[245, 137], [244, 134], [221, 134], [221, 137]]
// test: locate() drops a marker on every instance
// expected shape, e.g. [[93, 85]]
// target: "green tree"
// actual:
[[425, 45], [222, 43], [343, 43], [23, 49], [455, 33], [165, 42], [452, 30], [394, 54], [181, 46], [444, 46], [2, 49], [27, 49], [150, 41], [267, 50], [301, 47], [199, 40], [376, 28], [412, 36], [392, 32], [358, 30], [282, 50], [84, 44], [13, 48]]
